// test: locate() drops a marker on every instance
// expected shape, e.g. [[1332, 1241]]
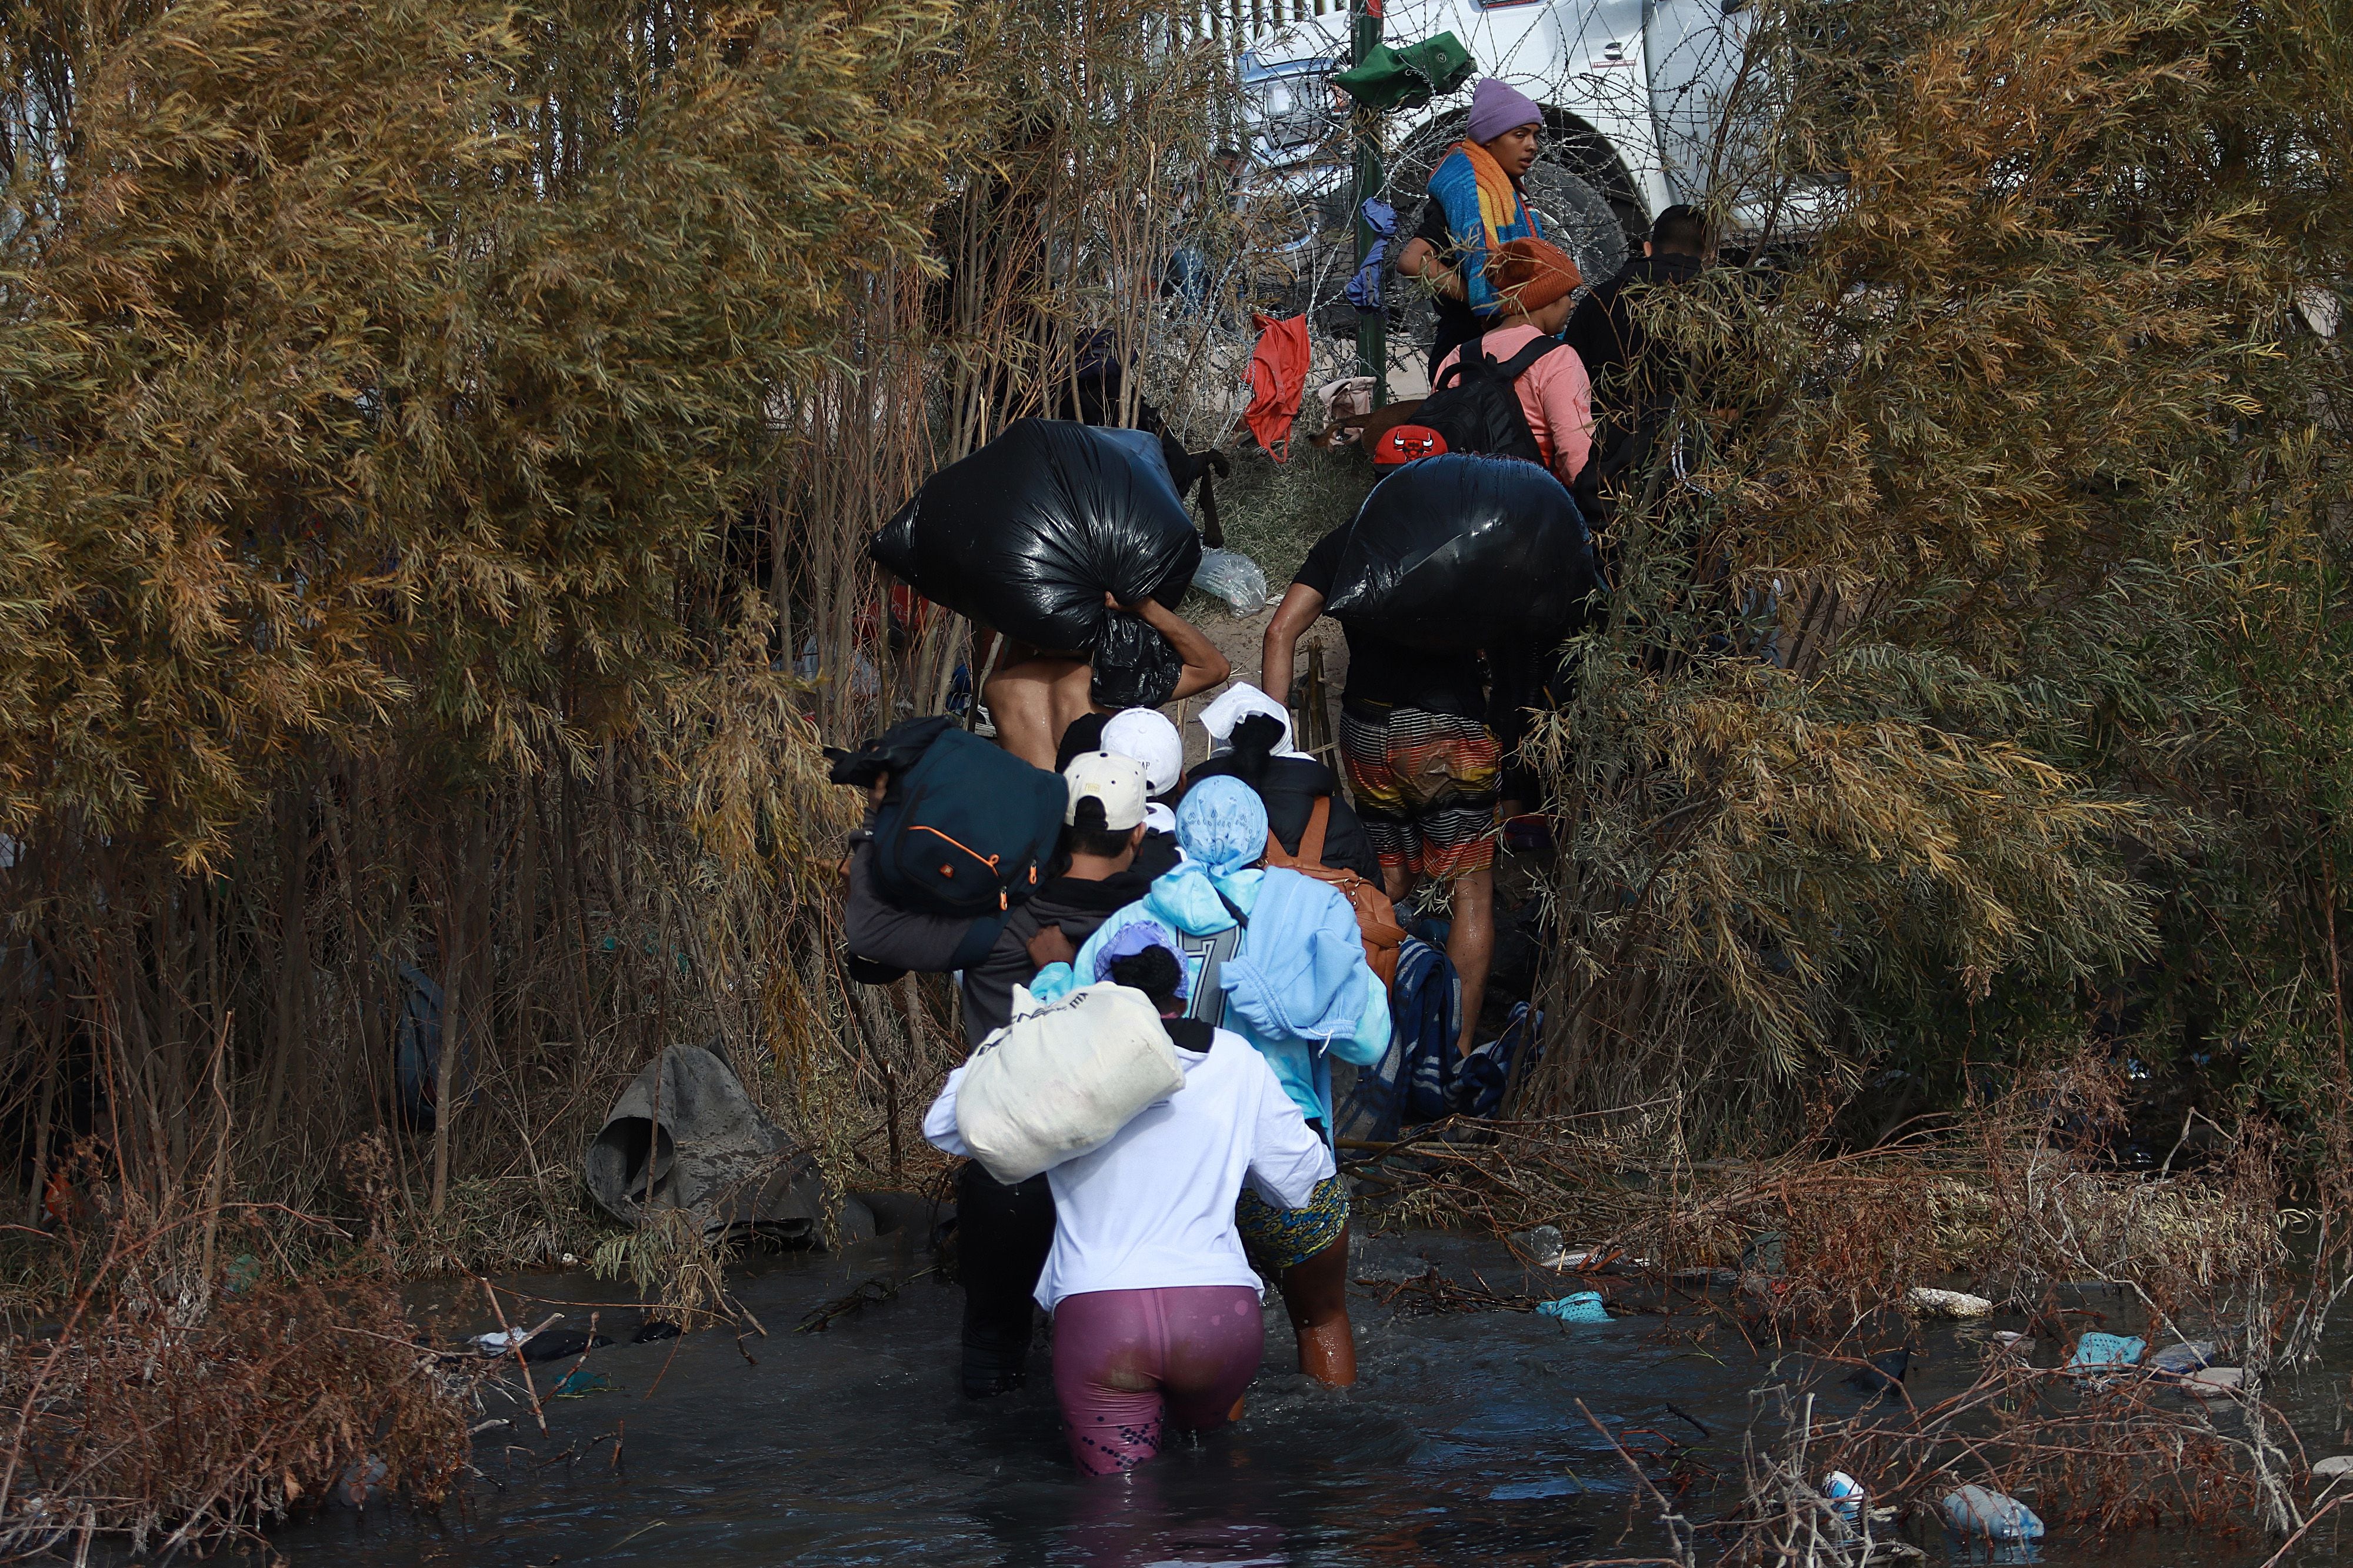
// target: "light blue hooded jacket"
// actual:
[[1293, 968]]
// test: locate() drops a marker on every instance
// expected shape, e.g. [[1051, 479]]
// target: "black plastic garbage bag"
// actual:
[[1028, 533], [1133, 666], [1463, 551]]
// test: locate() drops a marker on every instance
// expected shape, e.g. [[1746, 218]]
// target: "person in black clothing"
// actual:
[[1004, 1232], [1257, 750], [1431, 252], [1422, 763], [1633, 382]]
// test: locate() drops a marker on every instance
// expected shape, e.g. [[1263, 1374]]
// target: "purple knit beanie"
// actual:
[[1497, 106]]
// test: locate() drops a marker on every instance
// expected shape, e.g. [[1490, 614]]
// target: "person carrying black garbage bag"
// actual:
[[1451, 559], [1035, 694], [1004, 1232], [1072, 543], [1421, 762]]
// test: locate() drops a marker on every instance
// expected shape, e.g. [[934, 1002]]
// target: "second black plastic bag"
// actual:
[[1028, 533], [1460, 552], [1134, 665]]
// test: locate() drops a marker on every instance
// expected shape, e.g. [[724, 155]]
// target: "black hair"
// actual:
[[1086, 833], [1083, 734], [1682, 228], [1254, 741], [1153, 971]]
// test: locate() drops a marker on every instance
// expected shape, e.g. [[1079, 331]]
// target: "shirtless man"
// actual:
[[1035, 694]]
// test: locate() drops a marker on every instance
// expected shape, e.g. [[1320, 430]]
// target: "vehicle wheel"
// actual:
[[1577, 217]]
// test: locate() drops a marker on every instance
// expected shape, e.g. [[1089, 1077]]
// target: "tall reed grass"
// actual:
[[445, 441]]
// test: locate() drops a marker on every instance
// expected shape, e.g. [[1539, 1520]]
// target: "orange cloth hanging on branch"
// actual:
[[1278, 375]]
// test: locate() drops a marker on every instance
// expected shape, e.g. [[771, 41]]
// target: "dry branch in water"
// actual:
[[153, 1417]]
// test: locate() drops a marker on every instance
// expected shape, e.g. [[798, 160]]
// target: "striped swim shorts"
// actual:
[[1425, 788], [1277, 1239]]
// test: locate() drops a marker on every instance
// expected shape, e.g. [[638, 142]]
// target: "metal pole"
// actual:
[[1372, 326]]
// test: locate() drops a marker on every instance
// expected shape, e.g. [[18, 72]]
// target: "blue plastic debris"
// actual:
[[1845, 1495], [1585, 1307], [2103, 1353], [1988, 1515], [579, 1383]]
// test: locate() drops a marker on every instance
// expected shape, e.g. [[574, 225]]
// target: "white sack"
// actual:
[[1059, 1080]]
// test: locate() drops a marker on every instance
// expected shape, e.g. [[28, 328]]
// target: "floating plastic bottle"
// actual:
[[1984, 1514]]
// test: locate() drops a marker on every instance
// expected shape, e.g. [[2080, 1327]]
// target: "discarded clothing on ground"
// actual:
[[685, 1135], [1462, 552], [1026, 534]]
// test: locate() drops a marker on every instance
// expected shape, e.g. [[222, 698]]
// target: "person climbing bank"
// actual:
[[1476, 206], [1421, 760], [1535, 283]]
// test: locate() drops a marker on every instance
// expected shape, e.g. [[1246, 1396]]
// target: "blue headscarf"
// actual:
[[1222, 823]]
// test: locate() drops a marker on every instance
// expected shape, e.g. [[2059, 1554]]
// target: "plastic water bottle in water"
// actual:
[[1845, 1494]]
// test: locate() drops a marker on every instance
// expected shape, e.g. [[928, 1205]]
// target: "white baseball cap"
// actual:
[[1145, 734], [1115, 781]]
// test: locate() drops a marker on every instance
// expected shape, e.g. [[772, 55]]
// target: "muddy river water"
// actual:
[[1463, 1443]]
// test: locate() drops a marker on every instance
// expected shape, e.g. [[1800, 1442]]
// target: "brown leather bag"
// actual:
[[1376, 921]]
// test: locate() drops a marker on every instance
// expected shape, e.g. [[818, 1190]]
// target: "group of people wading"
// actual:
[[1218, 896]]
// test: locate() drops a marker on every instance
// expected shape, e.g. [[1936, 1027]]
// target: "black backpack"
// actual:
[[966, 828], [1473, 408]]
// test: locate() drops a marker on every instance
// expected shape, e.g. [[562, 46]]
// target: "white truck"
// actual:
[[1633, 92]]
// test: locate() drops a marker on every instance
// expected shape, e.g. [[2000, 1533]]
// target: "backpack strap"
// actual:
[[1520, 364], [1310, 841]]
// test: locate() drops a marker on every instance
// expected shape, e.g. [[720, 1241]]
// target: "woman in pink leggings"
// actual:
[[1157, 1319]]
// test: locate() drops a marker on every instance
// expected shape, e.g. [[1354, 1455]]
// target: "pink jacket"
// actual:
[[1556, 394]]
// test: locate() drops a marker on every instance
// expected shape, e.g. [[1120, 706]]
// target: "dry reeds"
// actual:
[[173, 1406], [1970, 679], [1813, 1257], [467, 753]]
